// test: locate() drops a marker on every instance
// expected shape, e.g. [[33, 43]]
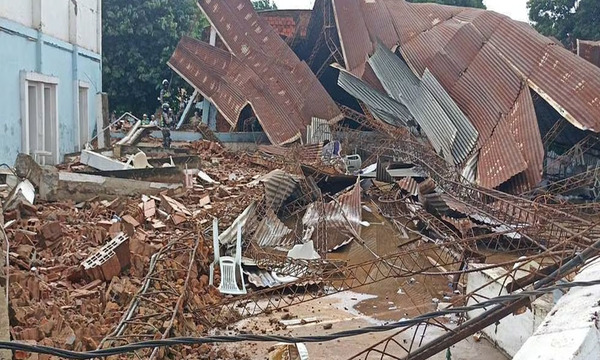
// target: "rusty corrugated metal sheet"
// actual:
[[570, 84], [523, 128], [272, 233], [279, 185], [486, 91], [342, 218], [230, 85], [351, 23], [262, 71], [381, 172], [409, 185], [499, 159], [425, 45], [481, 58], [589, 50]]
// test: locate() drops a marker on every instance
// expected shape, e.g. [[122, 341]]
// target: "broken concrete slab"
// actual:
[[23, 193], [157, 174], [53, 185], [101, 162]]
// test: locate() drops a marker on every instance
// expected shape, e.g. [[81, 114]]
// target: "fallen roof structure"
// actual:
[[259, 69], [486, 62]]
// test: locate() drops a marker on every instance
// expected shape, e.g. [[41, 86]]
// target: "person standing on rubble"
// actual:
[[165, 93]]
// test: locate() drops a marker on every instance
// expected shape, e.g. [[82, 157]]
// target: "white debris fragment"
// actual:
[[204, 177]]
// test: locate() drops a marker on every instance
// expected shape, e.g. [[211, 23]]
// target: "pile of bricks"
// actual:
[[75, 268]]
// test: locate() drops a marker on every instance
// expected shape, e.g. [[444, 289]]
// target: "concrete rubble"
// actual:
[[404, 202]]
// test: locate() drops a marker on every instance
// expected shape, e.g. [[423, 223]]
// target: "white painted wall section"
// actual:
[[514, 330], [18, 11], [570, 331], [52, 17], [55, 18]]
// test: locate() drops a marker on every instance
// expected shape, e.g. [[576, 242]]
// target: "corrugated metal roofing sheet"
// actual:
[[351, 23], [279, 185], [403, 85], [318, 131], [261, 71], [499, 159], [272, 233], [570, 84], [484, 80], [229, 236], [425, 45], [378, 103], [466, 136], [343, 215], [523, 128], [409, 185]]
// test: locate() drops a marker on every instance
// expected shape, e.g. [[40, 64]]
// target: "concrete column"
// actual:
[[102, 120], [36, 15]]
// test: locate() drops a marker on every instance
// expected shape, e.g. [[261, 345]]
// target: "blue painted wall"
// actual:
[[19, 51]]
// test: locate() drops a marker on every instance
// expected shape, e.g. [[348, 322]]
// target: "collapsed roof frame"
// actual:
[[257, 69]]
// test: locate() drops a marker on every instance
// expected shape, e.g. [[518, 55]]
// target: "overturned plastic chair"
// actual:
[[230, 266]]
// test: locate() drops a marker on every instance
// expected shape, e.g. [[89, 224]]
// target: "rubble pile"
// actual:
[[75, 268]]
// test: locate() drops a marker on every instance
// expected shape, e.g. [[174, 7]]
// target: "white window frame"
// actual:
[[40, 81], [83, 138]]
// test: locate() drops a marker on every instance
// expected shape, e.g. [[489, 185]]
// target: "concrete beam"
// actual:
[[101, 162], [571, 330], [53, 185], [513, 331]]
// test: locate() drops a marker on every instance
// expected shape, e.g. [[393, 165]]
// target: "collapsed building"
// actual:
[[436, 163], [493, 97]]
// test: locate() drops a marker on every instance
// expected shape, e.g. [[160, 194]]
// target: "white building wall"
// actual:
[[20, 11], [88, 36], [513, 331], [53, 18], [571, 331]]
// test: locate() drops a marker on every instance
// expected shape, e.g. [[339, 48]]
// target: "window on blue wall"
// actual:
[[40, 115]]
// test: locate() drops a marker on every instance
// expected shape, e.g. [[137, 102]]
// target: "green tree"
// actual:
[[566, 20], [465, 3], [139, 37], [264, 5]]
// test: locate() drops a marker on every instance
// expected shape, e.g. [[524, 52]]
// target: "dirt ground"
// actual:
[[385, 301], [340, 312]]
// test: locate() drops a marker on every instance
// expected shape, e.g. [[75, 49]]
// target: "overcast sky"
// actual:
[[513, 8]]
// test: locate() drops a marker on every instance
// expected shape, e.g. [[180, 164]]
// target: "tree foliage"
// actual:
[[139, 37], [465, 3], [566, 20], [264, 5]]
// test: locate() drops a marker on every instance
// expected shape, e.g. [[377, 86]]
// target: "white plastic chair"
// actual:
[[230, 266]]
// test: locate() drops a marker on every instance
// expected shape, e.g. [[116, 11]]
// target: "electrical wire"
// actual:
[[284, 339], [9, 168]]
